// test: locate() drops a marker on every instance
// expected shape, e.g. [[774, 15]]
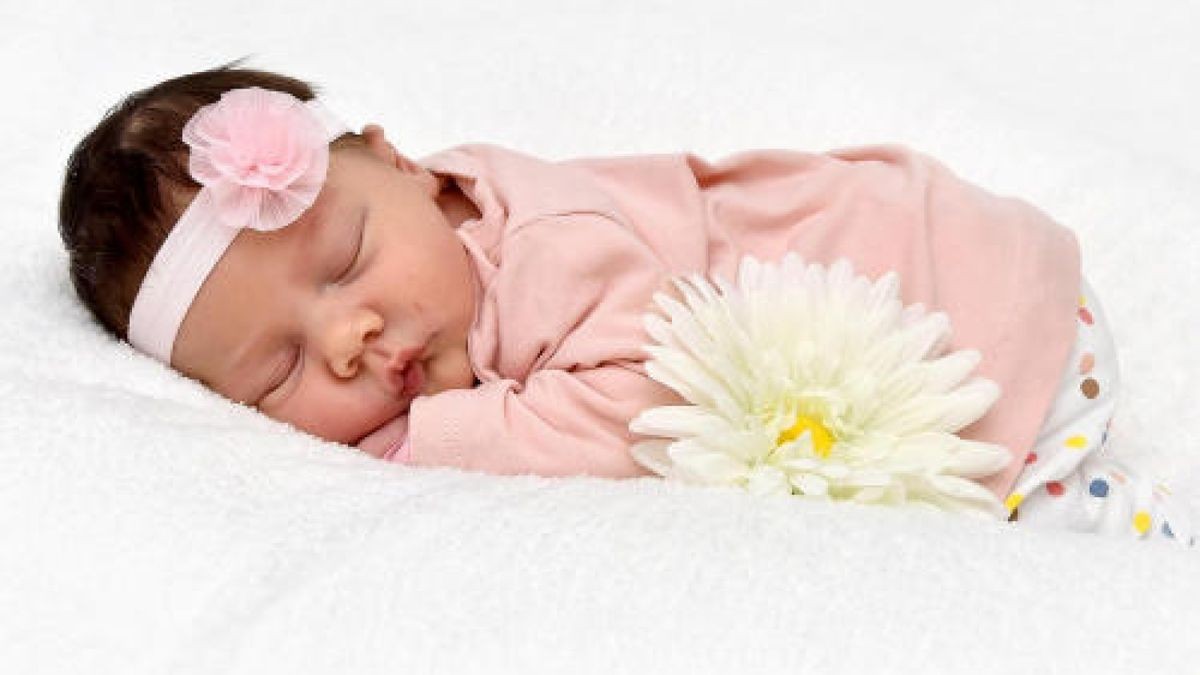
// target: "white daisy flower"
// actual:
[[815, 383]]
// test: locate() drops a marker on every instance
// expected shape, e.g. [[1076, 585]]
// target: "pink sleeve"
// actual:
[[402, 453], [568, 302], [405, 454], [558, 423]]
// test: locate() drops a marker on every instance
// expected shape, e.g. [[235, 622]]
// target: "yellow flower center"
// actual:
[[822, 440]]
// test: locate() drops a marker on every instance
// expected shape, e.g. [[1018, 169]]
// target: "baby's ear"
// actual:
[[378, 144]]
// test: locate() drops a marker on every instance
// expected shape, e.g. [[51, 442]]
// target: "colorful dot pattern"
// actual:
[[1068, 481]]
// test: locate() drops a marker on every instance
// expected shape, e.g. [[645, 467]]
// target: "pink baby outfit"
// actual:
[[568, 254]]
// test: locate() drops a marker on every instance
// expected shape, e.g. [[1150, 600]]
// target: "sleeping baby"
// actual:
[[482, 308]]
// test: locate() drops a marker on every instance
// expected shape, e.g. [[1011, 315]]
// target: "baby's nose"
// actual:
[[348, 340]]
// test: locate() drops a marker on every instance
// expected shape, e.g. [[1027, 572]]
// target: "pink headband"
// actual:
[[260, 157]]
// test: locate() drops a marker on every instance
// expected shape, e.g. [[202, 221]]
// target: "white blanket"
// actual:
[[150, 526]]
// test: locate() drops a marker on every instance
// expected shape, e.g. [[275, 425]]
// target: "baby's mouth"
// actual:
[[404, 379], [404, 374], [412, 380]]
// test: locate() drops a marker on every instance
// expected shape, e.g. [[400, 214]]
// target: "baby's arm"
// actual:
[[403, 452], [568, 302], [387, 441], [556, 423]]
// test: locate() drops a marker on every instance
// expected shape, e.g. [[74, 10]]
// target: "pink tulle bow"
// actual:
[[262, 154]]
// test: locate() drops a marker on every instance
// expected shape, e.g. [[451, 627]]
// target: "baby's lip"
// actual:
[[380, 439], [394, 370]]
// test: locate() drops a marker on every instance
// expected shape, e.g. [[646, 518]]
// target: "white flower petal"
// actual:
[[870, 494], [903, 418], [834, 471], [697, 463], [680, 421], [968, 493], [926, 336], [868, 478], [658, 328], [748, 273], [810, 484], [975, 458], [801, 464], [949, 371], [973, 400], [767, 480], [653, 455], [658, 370], [692, 381]]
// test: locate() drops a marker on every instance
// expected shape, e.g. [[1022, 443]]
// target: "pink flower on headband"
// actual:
[[261, 153]]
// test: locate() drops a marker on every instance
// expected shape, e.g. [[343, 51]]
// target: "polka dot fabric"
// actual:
[[1069, 480]]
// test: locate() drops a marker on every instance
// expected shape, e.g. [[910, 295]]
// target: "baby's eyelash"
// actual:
[[287, 372], [353, 259]]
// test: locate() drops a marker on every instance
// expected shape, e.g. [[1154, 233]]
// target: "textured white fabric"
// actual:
[[151, 527]]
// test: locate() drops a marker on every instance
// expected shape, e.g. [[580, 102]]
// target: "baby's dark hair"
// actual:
[[127, 183]]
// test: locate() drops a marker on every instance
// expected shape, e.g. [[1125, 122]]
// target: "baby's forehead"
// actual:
[[315, 218], [326, 201], [342, 183], [321, 227]]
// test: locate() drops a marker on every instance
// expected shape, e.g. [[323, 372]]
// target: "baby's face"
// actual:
[[315, 323]]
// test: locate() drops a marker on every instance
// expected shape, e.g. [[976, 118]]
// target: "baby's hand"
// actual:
[[386, 440]]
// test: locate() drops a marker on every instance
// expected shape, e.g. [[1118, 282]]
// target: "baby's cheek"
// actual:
[[338, 418], [449, 370]]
